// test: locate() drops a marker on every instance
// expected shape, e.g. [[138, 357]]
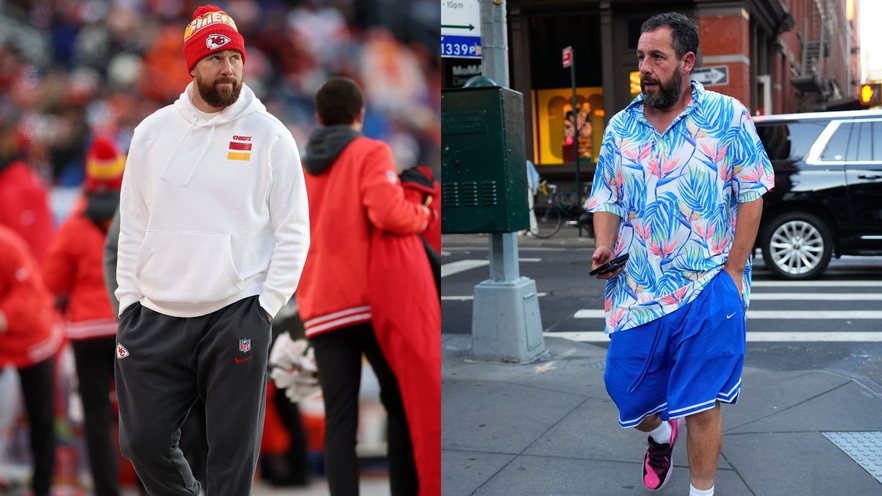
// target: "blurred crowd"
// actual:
[[74, 73], [72, 70]]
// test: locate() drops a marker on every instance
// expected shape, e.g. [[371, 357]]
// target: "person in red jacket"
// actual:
[[73, 271], [406, 318], [24, 201], [353, 190], [30, 336]]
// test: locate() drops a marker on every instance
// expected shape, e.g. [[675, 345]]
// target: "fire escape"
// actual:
[[815, 77]]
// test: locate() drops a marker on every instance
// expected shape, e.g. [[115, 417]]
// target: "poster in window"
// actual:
[[554, 135]]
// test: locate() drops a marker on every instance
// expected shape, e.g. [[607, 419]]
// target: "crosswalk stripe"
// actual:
[[457, 298], [765, 297], [816, 284], [817, 296], [451, 268], [752, 337], [469, 298], [776, 314]]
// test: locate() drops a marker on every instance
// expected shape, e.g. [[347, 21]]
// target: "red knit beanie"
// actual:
[[211, 30], [104, 166]]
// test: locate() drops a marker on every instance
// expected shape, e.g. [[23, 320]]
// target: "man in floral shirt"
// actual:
[[679, 184]]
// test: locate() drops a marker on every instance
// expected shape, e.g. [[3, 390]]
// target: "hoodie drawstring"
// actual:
[[655, 340]]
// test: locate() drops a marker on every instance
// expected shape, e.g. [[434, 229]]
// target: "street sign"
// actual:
[[712, 76], [467, 47], [460, 29], [567, 56]]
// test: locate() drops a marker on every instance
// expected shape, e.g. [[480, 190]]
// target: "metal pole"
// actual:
[[494, 41], [494, 64], [576, 140], [506, 324]]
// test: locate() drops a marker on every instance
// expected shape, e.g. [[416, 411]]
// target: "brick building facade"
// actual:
[[775, 56]]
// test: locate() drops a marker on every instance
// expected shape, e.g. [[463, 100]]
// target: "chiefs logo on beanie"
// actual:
[[104, 166], [211, 30]]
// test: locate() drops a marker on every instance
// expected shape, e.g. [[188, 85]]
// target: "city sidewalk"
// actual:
[[549, 428]]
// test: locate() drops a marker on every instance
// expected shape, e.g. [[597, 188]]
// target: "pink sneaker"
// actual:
[[658, 462]]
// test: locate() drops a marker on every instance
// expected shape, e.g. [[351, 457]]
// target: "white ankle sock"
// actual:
[[700, 492], [662, 433]]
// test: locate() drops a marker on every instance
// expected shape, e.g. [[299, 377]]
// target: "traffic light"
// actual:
[[871, 94]]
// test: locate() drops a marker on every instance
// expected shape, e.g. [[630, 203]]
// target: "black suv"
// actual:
[[827, 198]]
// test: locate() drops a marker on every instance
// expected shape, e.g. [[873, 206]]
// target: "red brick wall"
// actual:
[[727, 35], [785, 99]]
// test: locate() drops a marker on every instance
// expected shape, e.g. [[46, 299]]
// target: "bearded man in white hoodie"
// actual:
[[214, 233]]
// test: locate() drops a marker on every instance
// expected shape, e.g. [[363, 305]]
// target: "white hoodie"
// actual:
[[213, 209]]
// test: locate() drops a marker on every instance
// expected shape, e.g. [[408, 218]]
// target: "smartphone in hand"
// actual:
[[610, 266]]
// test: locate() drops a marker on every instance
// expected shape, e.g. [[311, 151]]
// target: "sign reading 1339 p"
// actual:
[[460, 29]]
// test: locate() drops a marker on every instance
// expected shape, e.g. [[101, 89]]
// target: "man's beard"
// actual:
[[667, 94], [219, 97]]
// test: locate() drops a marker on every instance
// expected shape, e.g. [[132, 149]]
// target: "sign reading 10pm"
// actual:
[[460, 29]]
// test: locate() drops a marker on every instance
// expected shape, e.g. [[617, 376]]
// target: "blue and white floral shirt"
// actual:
[[677, 194]]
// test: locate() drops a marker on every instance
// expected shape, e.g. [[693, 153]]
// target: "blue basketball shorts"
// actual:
[[682, 363]]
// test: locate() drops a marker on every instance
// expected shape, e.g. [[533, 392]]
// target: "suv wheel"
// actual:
[[797, 245]]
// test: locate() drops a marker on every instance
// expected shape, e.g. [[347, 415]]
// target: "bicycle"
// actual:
[[555, 210]]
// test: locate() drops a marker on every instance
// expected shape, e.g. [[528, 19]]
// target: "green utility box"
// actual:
[[483, 169]]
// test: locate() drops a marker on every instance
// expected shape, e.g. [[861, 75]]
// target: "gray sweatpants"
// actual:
[[163, 365]]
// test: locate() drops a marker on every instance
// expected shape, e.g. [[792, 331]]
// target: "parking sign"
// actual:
[[567, 57], [460, 29]]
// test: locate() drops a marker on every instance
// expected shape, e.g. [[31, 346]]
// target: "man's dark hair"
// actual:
[[339, 101], [684, 32]]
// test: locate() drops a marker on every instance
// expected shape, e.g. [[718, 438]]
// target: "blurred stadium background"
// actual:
[[73, 70], [70, 70]]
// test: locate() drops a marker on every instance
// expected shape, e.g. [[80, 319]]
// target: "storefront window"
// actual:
[[556, 123]]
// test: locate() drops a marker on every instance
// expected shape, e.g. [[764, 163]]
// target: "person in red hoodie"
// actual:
[[353, 190], [30, 336], [73, 271], [24, 200]]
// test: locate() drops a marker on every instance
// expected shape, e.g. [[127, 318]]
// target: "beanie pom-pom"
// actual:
[[103, 149], [204, 10], [211, 30], [104, 166]]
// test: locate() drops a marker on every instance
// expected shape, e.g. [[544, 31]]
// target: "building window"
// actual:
[[554, 127]]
